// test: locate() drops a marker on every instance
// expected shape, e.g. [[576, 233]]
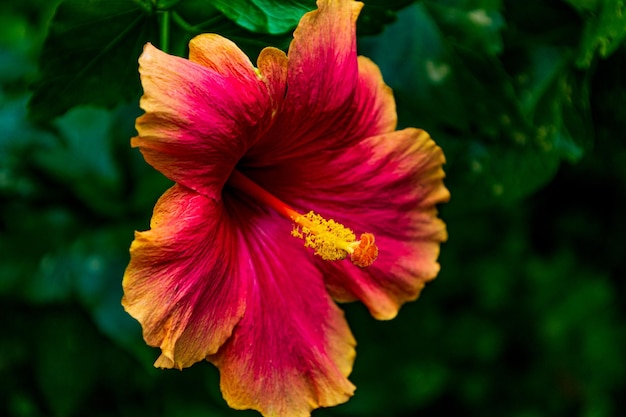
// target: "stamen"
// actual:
[[329, 239]]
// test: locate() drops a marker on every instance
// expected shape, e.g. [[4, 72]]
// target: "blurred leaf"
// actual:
[[28, 233], [605, 28], [82, 158], [21, 33], [474, 24], [89, 271], [13, 65], [554, 99], [90, 55], [481, 175], [18, 140], [85, 269]]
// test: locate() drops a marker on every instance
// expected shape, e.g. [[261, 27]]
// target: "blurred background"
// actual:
[[528, 101]]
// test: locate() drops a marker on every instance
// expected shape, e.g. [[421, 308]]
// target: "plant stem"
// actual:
[[164, 23]]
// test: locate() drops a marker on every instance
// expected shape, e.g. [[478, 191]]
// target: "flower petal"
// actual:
[[292, 350], [273, 65], [333, 98], [404, 173], [205, 283], [387, 185], [322, 56], [200, 116], [185, 283]]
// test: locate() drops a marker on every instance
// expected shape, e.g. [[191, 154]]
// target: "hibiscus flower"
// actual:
[[277, 169]]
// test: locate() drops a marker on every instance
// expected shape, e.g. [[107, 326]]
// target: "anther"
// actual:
[[365, 252]]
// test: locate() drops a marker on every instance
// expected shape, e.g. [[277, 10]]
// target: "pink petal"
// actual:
[[273, 66], [292, 350], [322, 57], [333, 99], [185, 283], [398, 187], [388, 185], [201, 116], [225, 281]]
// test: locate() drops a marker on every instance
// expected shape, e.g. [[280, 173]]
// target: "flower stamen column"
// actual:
[[330, 240]]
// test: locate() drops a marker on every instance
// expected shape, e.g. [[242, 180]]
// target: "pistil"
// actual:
[[328, 238]]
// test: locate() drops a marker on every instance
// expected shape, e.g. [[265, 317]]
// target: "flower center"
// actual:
[[329, 239]]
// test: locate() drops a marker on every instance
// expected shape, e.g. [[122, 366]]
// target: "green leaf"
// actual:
[[193, 17], [265, 16], [476, 25], [481, 175], [553, 101], [605, 30], [90, 55], [88, 270], [20, 222], [82, 158]]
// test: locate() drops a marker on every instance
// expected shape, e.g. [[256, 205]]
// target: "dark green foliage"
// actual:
[[528, 100], [89, 55], [604, 32]]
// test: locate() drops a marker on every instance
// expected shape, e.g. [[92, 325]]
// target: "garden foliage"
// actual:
[[527, 100]]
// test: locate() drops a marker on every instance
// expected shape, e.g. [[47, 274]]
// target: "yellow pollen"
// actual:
[[333, 241]]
